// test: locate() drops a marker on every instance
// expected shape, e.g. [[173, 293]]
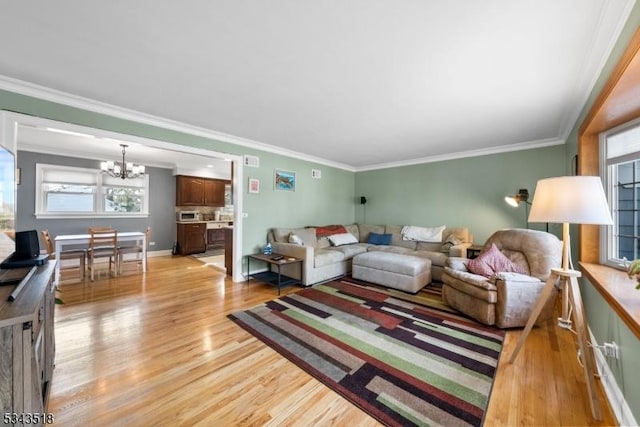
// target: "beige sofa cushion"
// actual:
[[365, 229], [396, 237], [437, 258], [460, 234], [308, 235], [349, 251], [353, 229], [325, 257], [391, 249], [429, 246]]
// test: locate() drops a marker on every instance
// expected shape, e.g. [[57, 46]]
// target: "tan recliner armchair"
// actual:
[[505, 299]]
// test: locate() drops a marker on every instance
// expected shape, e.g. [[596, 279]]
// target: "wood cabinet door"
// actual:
[[189, 191], [192, 238], [214, 192]]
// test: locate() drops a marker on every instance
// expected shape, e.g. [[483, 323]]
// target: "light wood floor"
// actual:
[[158, 349]]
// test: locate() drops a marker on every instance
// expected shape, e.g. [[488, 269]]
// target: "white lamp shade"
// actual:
[[570, 199]]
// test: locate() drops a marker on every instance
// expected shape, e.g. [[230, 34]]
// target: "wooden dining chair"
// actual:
[[103, 243], [135, 252], [65, 255]]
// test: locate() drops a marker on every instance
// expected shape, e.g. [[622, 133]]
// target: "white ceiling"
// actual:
[[358, 84], [89, 144]]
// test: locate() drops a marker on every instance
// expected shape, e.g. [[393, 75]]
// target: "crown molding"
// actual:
[[465, 154], [41, 92]]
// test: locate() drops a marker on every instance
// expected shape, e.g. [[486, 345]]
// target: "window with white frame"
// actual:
[[64, 191], [620, 172]]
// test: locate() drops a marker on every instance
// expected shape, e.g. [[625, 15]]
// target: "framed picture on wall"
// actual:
[[284, 180], [254, 185]]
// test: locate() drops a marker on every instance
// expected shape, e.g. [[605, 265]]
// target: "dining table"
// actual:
[[63, 240]]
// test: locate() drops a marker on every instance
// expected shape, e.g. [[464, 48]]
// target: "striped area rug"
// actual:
[[404, 359]]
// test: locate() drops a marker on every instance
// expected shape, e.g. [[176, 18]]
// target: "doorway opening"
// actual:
[[18, 131]]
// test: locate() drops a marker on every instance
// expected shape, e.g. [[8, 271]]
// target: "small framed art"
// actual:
[[254, 185], [284, 180]]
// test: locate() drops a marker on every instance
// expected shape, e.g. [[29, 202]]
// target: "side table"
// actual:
[[271, 277]]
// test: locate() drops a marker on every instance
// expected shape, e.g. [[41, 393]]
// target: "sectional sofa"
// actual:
[[327, 251]]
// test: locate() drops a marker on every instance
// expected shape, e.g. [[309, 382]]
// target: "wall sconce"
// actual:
[[522, 196], [516, 199], [363, 202]]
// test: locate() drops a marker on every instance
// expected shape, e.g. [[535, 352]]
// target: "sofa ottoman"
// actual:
[[404, 272]]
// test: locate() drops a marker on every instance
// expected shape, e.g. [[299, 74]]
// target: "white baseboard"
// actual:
[[614, 395], [159, 253]]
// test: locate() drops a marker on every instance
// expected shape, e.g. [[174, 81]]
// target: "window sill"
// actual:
[[618, 290], [90, 215]]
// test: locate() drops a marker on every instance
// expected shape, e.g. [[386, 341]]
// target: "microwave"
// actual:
[[188, 216]]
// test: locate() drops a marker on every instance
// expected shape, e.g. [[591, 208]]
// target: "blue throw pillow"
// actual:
[[379, 239]]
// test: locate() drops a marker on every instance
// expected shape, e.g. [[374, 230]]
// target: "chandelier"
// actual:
[[122, 169]]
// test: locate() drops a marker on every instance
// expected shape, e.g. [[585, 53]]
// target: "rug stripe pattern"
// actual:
[[398, 356]]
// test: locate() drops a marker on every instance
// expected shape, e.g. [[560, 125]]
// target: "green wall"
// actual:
[[604, 323], [328, 200], [463, 192]]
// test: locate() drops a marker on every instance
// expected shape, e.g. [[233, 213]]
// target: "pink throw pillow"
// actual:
[[493, 261]]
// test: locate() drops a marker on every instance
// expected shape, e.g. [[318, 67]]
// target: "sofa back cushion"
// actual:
[[325, 231], [428, 246], [396, 237], [365, 229], [457, 234], [353, 229], [307, 235]]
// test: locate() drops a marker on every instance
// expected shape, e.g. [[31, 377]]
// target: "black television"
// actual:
[[27, 251]]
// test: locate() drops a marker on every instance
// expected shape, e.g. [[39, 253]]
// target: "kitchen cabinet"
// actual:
[[192, 238], [214, 192], [195, 191], [189, 191], [27, 346]]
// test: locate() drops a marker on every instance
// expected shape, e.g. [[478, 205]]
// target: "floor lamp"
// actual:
[[569, 200]]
